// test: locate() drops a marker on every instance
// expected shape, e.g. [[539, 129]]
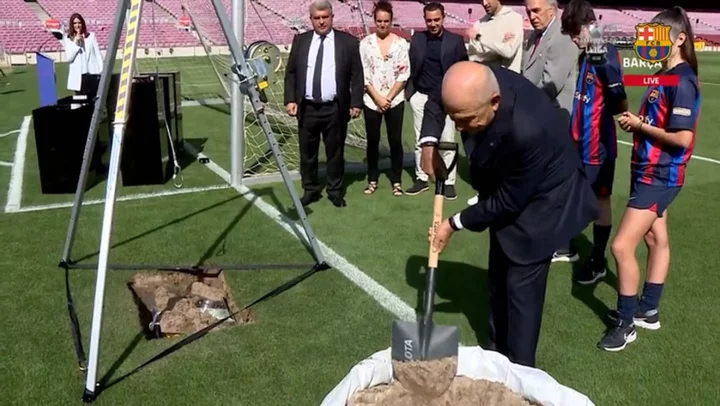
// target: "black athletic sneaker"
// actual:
[[649, 320], [618, 337], [450, 193], [591, 272], [418, 187]]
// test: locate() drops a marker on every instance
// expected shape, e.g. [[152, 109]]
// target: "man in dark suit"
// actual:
[[533, 193], [432, 53], [324, 88]]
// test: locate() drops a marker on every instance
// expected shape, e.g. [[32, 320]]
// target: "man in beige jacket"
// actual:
[[497, 37]]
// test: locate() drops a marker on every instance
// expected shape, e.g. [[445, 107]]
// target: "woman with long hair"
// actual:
[[82, 52], [664, 139], [386, 65]]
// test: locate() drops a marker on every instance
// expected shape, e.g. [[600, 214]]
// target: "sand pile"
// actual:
[[429, 379], [418, 383], [183, 303]]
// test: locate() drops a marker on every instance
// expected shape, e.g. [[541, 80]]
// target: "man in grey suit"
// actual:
[[550, 57], [550, 62]]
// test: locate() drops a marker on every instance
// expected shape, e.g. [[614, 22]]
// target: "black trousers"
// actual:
[[394, 126], [322, 121], [517, 297]]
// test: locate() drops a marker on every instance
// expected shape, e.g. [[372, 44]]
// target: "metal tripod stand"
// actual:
[[249, 80]]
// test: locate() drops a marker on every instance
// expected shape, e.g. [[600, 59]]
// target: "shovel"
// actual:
[[426, 341]]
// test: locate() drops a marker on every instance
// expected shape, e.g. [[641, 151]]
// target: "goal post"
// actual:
[[263, 41], [237, 104]]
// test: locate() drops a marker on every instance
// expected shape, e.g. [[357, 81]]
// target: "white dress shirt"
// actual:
[[492, 46], [328, 80], [382, 73]]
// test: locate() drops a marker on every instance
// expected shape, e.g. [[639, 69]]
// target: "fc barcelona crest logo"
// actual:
[[653, 96], [589, 77], [652, 42]]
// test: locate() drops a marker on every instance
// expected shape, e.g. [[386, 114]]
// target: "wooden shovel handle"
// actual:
[[438, 202]]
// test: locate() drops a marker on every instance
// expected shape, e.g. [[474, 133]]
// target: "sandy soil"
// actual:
[[431, 383], [180, 297]]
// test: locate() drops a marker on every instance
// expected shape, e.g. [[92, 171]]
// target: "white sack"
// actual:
[[473, 362]]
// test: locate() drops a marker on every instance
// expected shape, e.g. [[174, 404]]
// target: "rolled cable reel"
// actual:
[[264, 60]]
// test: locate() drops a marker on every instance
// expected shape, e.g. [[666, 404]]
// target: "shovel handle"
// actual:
[[433, 256], [439, 198], [438, 201]]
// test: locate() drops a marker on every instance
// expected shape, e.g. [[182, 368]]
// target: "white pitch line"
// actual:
[[205, 102], [10, 133], [14, 195], [8, 164], [382, 295], [698, 157], [127, 198]]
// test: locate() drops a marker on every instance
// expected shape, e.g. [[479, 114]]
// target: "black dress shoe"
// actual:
[[337, 201], [310, 198]]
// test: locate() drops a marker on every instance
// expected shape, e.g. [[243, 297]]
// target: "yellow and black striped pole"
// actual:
[[128, 61], [121, 110]]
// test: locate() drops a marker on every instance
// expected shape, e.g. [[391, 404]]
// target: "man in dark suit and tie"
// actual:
[[324, 88], [533, 193], [432, 53]]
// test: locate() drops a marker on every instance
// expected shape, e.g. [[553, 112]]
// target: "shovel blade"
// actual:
[[407, 343]]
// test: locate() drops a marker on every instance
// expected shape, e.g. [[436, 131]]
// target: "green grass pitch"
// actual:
[[308, 338]]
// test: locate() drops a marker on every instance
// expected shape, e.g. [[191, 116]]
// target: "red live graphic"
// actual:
[[651, 80]]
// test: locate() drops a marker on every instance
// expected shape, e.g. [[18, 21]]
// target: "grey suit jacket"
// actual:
[[553, 66]]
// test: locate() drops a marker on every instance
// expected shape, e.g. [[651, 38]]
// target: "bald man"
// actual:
[[533, 193]]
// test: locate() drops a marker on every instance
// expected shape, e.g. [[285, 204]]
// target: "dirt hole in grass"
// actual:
[[178, 303]]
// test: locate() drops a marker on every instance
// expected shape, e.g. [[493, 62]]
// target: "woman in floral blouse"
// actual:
[[386, 65]]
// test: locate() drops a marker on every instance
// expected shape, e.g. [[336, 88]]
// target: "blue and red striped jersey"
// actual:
[[672, 108], [598, 95]]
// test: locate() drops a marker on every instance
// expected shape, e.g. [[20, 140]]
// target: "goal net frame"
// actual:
[[248, 161]]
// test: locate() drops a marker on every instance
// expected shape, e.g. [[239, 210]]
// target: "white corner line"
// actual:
[[126, 198], [8, 164], [698, 157], [382, 295], [14, 195]]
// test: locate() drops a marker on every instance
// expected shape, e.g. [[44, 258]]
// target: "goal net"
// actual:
[[207, 80]]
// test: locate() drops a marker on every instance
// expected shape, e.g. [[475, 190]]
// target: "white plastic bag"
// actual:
[[473, 362]]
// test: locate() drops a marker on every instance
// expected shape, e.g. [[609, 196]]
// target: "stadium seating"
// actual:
[[261, 22], [22, 31], [99, 16], [702, 23], [705, 22], [274, 20]]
